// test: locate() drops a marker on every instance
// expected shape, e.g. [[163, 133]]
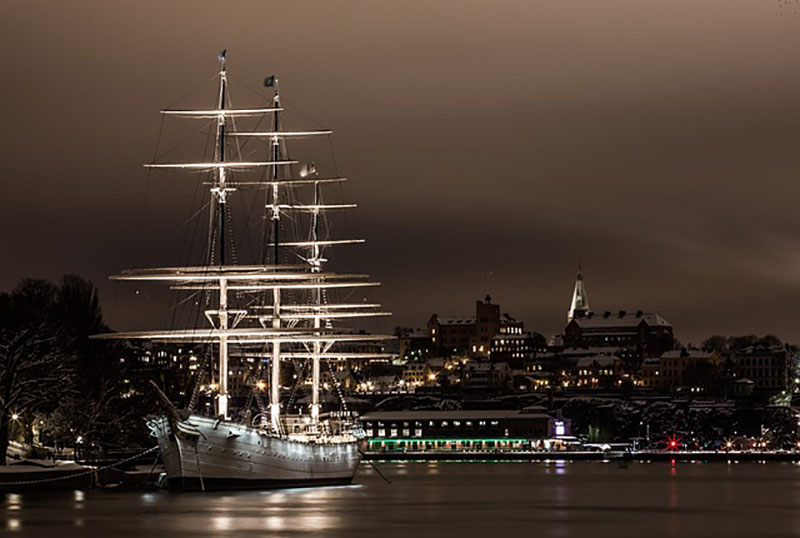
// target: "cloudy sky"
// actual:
[[490, 146]]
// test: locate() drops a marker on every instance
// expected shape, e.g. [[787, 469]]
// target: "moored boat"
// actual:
[[281, 306]]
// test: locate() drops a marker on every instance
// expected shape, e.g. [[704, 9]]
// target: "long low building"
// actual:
[[460, 430]]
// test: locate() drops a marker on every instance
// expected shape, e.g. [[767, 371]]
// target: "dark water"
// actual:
[[483, 500]]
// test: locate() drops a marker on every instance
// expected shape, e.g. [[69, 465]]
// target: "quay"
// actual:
[[585, 455]]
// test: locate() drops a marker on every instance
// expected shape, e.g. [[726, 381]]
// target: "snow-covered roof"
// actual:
[[587, 351], [456, 321], [523, 336], [478, 414], [486, 366], [687, 354], [622, 318], [416, 333], [585, 362]]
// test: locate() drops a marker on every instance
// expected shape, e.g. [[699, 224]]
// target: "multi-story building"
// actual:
[[692, 369], [173, 365], [484, 376], [597, 372], [515, 348], [768, 367], [413, 344], [414, 374], [472, 335], [649, 374], [645, 333]]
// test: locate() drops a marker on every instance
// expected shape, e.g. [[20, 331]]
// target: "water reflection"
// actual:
[[560, 466], [13, 501], [558, 498]]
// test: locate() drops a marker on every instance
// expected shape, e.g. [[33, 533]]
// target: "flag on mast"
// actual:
[[308, 169], [269, 82]]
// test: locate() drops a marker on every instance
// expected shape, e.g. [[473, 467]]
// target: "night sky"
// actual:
[[491, 146]]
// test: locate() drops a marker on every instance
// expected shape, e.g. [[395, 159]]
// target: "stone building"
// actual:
[[767, 367], [472, 335], [645, 333]]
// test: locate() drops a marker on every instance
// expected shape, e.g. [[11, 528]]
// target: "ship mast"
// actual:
[[221, 192], [316, 267], [275, 363], [289, 328]]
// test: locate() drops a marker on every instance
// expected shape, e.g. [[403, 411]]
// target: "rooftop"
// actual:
[[490, 414], [687, 353], [455, 321], [600, 360], [623, 318]]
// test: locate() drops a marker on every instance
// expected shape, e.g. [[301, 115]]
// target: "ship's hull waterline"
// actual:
[[211, 454]]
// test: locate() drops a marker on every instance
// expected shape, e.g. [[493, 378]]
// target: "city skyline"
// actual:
[[665, 165]]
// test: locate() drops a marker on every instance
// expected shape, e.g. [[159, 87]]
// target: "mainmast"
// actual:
[[275, 364], [221, 191]]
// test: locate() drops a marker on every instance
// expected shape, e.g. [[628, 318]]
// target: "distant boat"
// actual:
[[267, 309]]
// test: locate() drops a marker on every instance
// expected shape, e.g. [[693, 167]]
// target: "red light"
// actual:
[[672, 442]]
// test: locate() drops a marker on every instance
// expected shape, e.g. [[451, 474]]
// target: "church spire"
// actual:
[[580, 301]]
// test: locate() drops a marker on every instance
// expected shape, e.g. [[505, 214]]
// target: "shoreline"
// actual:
[[640, 457]]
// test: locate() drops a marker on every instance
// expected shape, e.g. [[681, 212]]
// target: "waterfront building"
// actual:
[[472, 334], [461, 429]]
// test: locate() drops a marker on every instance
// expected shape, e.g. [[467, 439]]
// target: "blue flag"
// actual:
[[269, 82]]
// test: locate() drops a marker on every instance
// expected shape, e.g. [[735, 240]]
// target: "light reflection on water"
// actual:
[[470, 500]]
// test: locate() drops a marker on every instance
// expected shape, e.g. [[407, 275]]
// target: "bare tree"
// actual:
[[35, 374]]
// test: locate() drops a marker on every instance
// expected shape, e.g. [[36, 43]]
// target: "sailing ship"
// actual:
[[271, 309]]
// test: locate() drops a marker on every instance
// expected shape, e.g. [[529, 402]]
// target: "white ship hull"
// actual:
[[210, 454]]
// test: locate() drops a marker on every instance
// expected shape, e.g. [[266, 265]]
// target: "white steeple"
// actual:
[[580, 301]]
